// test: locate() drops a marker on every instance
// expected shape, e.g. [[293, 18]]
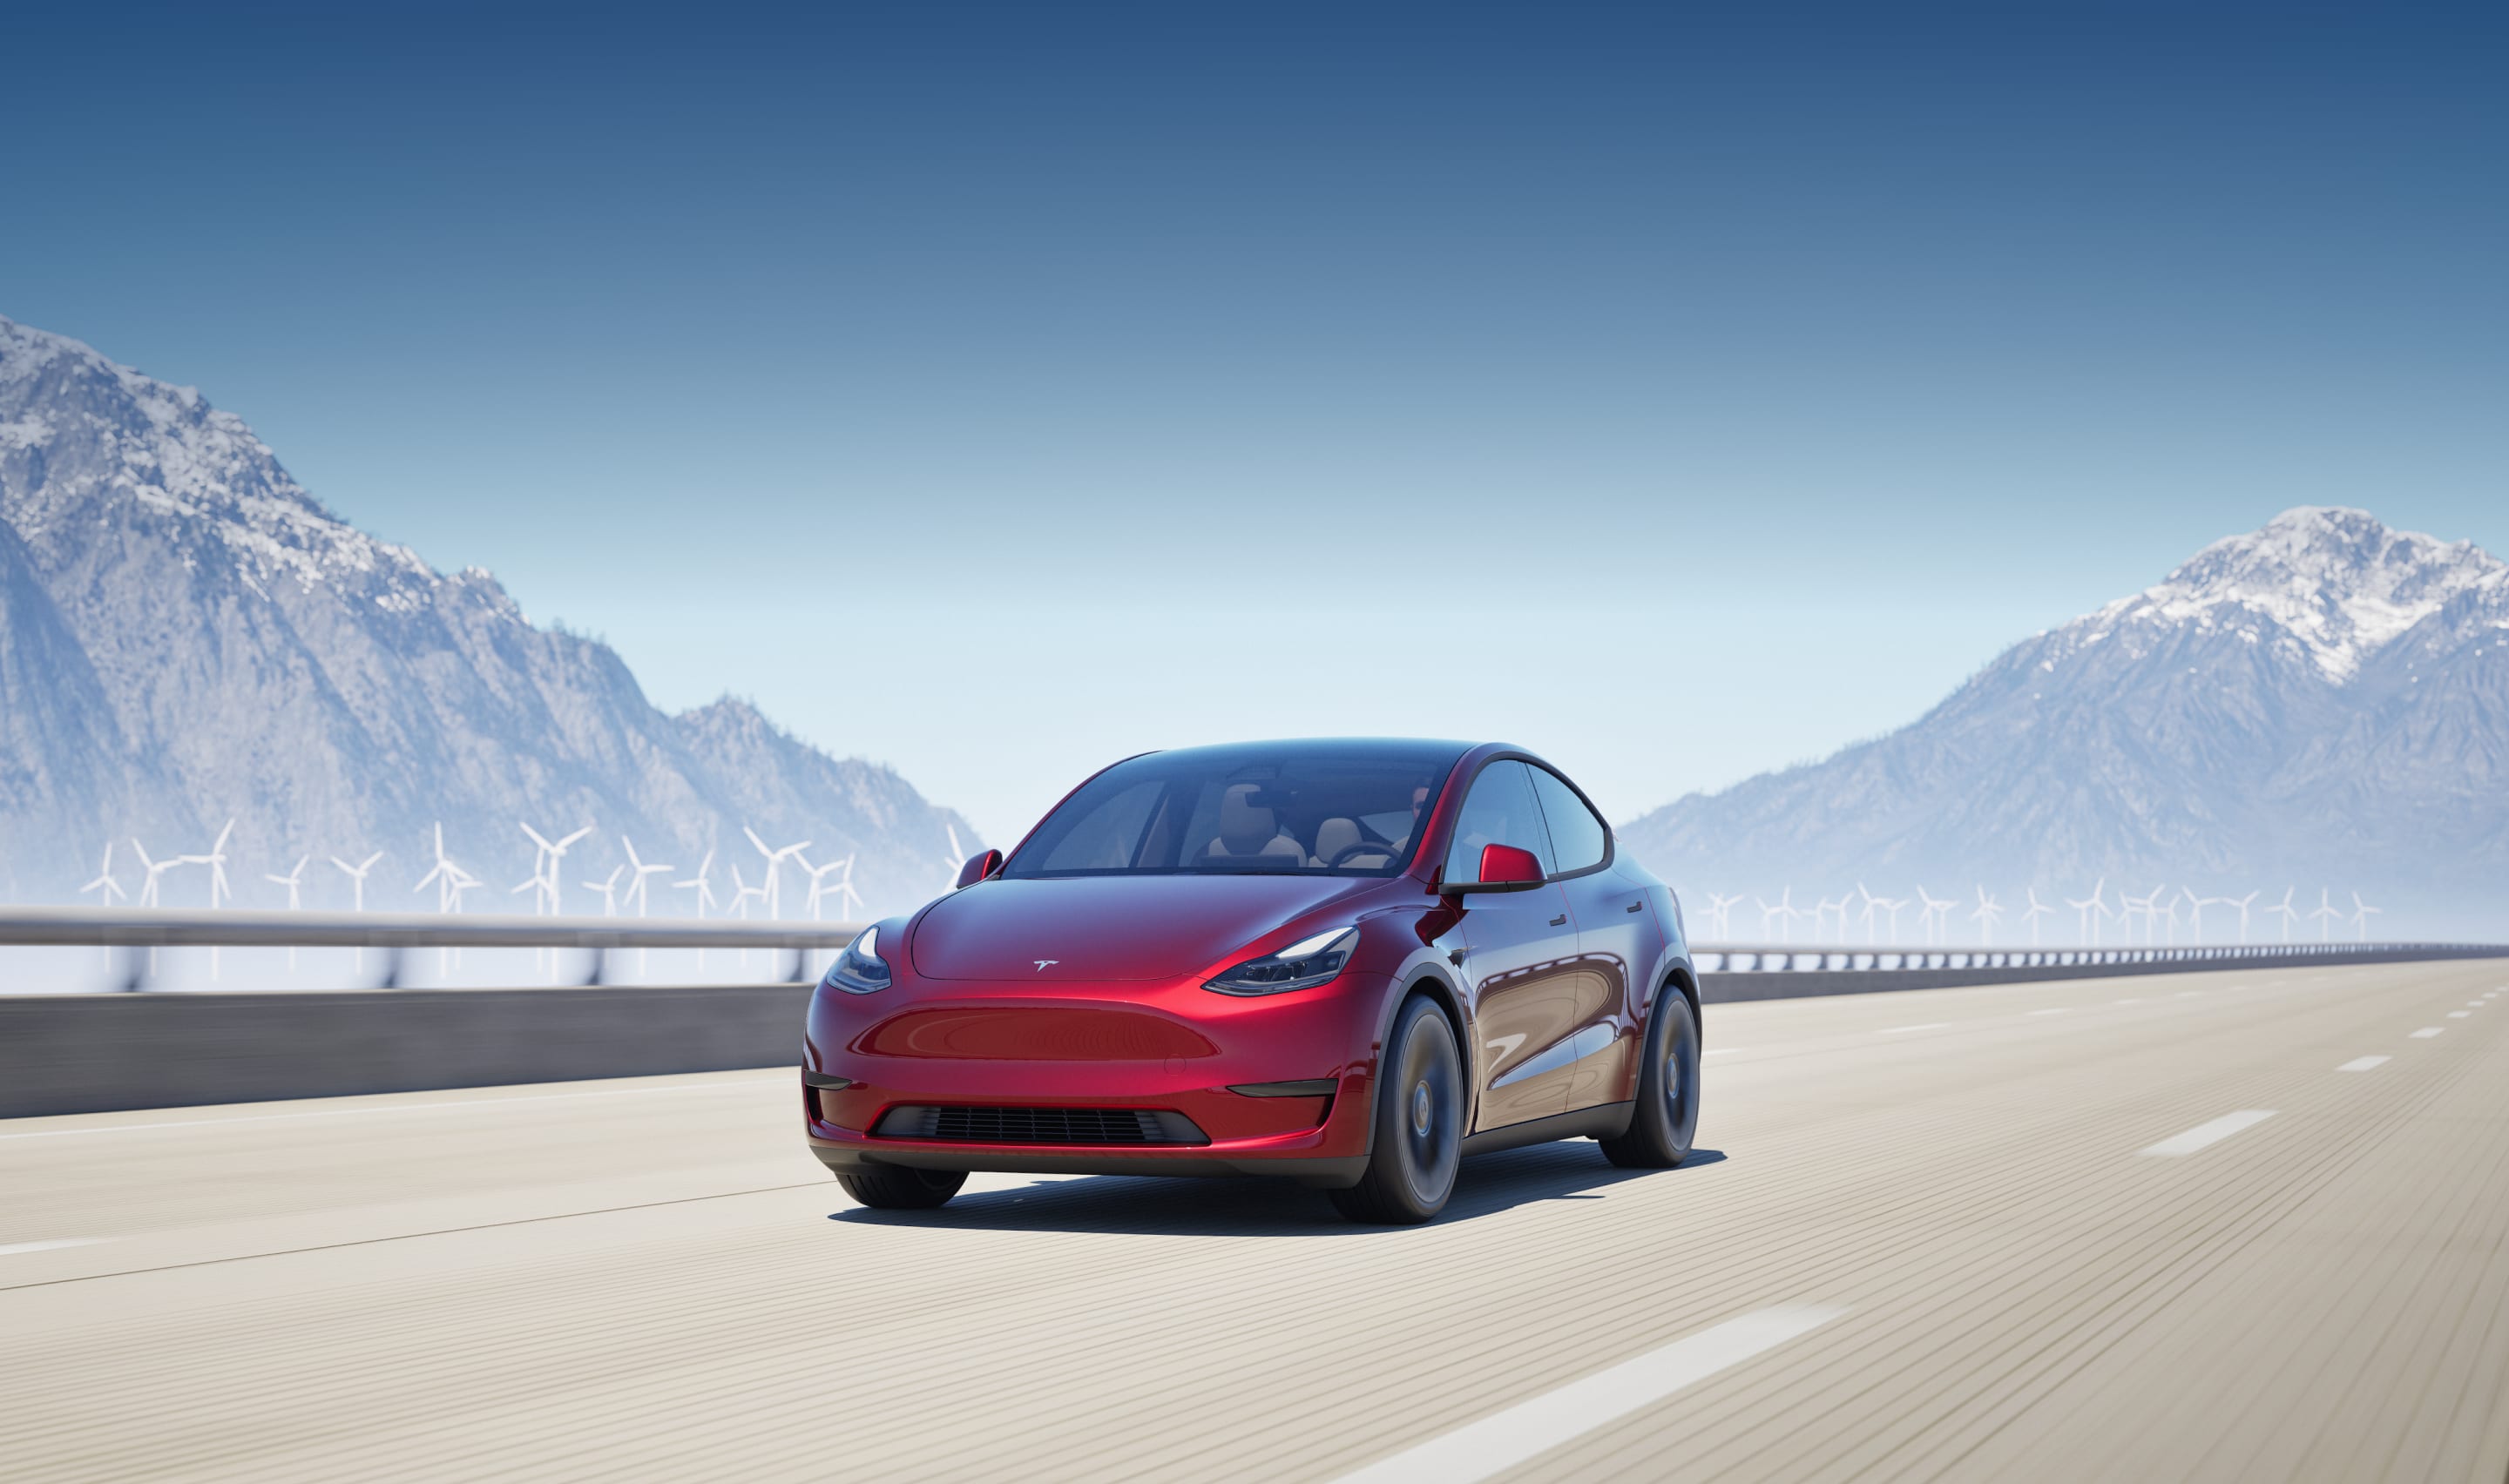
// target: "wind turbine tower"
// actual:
[[357, 880], [104, 883], [2037, 910]]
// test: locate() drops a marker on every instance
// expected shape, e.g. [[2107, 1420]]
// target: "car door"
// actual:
[[1613, 925], [1519, 952]]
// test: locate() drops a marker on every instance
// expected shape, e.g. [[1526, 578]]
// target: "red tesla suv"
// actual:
[[1349, 962]]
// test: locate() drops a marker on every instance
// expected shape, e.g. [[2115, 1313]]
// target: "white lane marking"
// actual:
[[1528, 1429], [2203, 1136], [2459, 1014], [2362, 1063], [1725, 1051], [402, 1108], [2476, 1004], [2135, 1001], [2426, 1033], [10, 1249], [1901, 1030], [2189, 994], [2057, 1010]]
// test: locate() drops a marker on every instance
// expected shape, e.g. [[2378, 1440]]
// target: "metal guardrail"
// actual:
[[396, 933], [1808, 959]]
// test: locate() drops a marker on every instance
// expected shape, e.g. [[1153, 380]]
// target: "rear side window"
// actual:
[[1577, 837], [1500, 810]]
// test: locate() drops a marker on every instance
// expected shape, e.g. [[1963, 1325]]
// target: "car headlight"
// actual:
[[859, 969], [1303, 965]]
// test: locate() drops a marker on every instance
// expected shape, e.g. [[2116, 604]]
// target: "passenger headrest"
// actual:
[[1245, 825]]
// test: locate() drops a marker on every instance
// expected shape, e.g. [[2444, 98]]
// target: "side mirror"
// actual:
[[1504, 868], [978, 866]]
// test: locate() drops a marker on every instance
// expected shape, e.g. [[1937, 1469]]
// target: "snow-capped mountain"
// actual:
[[2322, 702], [188, 635]]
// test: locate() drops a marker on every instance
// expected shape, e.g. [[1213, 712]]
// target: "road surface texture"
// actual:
[[2221, 1226]]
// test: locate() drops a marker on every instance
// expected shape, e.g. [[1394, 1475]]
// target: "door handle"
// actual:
[[1634, 906], [1556, 922]]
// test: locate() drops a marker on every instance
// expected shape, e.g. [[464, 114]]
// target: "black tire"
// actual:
[[1419, 1123], [1666, 1117], [897, 1188]]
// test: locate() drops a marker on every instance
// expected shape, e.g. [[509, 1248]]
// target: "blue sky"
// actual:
[[998, 390]]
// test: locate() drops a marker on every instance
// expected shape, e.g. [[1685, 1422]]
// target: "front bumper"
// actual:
[[1167, 1048]]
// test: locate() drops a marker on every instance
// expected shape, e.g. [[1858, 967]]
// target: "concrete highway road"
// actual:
[[2221, 1226]]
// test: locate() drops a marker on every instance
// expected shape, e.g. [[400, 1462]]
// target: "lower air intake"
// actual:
[[1041, 1126]]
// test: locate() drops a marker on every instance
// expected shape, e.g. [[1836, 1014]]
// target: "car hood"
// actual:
[[1110, 927]]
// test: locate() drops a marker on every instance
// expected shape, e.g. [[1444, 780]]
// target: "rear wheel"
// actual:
[[897, 1188], [1666, 1117], [1419, 1123]]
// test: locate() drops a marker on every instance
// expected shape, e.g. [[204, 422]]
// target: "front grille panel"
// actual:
[[1041, 1126]]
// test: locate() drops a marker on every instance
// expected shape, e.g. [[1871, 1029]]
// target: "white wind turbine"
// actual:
[[645, 871], [2242, 903], [2290, 914], [772, 894], [2037, 910], [357, 882], [155, 869], [2196, 905], [546, 863], [607, 888], [851, 901], [1988, 909], [1933, 915], [820, 886], [1872, 903], [104, 882], [216, 861], [1721, 912], [293, 881], [2093, 909], [2170, 916], [1893, 906], [2325, 915], [704, 886], [742, 894], [2361, 911], [2145, 905], [447, 878], [1822, 911], [1783, 912]]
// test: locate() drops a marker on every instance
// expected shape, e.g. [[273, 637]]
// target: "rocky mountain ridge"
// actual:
[[187, 636], [2324, 702]]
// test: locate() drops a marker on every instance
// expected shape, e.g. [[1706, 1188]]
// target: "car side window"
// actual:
[[1500, 810], [1577, 837]]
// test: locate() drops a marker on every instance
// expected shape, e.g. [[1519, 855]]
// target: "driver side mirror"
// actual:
[[978, 866], [1504, 868]]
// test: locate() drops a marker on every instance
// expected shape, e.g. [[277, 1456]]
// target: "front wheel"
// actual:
[[1666, 1117], [1419, 1123], [897, 1188]]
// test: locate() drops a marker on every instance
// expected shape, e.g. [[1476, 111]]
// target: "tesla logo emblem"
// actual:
[[1044, 964]]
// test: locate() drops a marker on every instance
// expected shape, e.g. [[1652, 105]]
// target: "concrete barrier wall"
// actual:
[[94, 1052], [97, 1053]]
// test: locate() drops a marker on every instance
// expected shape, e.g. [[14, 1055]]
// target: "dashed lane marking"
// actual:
[[2426, 1033], [1528, 1429], [2362, 1063], [2205, 1135]]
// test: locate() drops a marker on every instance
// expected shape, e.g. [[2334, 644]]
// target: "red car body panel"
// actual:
[[1088, 992]]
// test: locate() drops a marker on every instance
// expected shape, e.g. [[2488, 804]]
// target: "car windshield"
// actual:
[[1343, 809]]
